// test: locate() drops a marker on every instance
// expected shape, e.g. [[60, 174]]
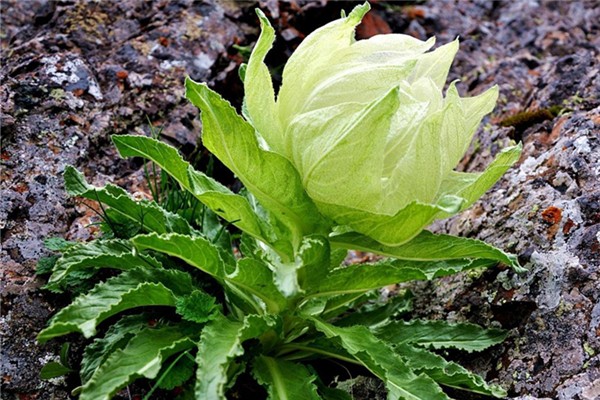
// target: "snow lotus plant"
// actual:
[[356, 151]]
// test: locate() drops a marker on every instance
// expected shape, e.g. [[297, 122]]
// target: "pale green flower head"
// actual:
[[368, 128]]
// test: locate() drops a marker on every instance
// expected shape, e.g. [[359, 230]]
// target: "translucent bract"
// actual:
[[368, 128]]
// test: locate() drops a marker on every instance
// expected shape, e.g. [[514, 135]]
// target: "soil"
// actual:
[[75, 73]]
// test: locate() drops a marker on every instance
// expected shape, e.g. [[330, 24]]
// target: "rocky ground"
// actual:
[[74, 73]]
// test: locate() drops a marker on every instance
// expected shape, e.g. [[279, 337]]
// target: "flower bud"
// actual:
[[368, 128]]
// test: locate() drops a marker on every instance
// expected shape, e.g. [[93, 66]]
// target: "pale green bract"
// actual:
[[367, 128]]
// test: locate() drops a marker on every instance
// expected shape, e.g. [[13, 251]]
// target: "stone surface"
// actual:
[[73, 73]]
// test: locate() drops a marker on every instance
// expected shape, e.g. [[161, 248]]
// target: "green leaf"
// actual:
[[284, 380], [316, 263], [269, 176], [222, 201], [444, 372], [255, 278], [57, 243], [337, 255], [471, 186], [259, 99], [117, 337], [441, 335], [177, 373], [150, 216], [339, 304], [142, 357], [220, 344], [195, 251], [229, 206], [394, 230], [380, 359], [54, 369], [378, 313], [134, 288], [364, 277], [166, 157], [197, 307], [115, 254], [427, 247], [45, 265], [330, 393]]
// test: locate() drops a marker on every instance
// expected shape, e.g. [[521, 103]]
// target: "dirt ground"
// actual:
[[75, 72]]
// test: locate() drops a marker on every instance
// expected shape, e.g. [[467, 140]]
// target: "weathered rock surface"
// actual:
[[73, 73]]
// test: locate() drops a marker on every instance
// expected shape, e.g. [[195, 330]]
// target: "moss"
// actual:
[[525, 119], [588, 349], [57, 94]]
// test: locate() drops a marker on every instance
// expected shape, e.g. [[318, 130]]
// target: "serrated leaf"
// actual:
[[149, 215], [135, 288], [380, 359], [445, 372], [329, 393], [115, 254], [259, 94], [338, 256], [45, 265], [142, 357], [117, 337], [197, 307], [217, 233], [339, 304], [428, 247], [178, 373], [222, 201], [315, 256], [220, 343], [269, 176], [284, 380], [54, 369], [441, 335], [195, 251], [57, 244], [373, 314], [255, 278], [364, 277]]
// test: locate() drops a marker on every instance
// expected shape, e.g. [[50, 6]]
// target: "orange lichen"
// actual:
[[414, 12], [164, 41], [569, 224], [552, 215]]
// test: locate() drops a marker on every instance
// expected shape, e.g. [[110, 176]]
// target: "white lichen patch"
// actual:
[[170, 64], [582, 145], [71, 71], [553, 264], [203, 61], [138, 80], [532, 166]]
